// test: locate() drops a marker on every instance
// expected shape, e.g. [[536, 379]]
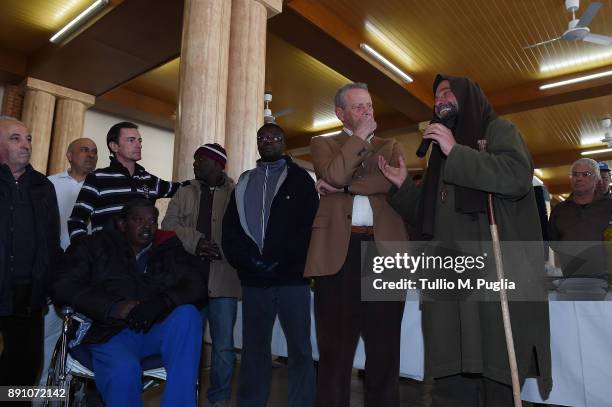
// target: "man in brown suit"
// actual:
[[353, 196]]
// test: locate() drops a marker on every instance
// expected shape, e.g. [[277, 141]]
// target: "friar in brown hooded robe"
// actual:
[[465, 347]]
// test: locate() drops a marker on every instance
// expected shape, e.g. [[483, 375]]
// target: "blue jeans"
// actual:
[[259, 309], [178, 338], [221, 315]]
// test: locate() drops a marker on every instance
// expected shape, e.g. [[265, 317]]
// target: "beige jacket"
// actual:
[[182, 217]]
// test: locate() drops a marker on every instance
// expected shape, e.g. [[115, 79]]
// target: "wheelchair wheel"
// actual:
[[75, 386], [56, 375]]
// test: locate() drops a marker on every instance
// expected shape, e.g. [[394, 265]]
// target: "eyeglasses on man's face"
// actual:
[[276, 138], [581, 174]]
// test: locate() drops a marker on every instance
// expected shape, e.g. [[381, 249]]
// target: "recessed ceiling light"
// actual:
[[78, 20], [576, 80], [387, 42], [554, 66], [331, 133], [326, 122], [376, 55], [591, 152]]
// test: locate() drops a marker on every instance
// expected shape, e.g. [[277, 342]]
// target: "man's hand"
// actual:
[[395, 175], [324, 188], [124, 307], [365, 126], [208, 249], [441, 135], [145, 314], [264, 267]]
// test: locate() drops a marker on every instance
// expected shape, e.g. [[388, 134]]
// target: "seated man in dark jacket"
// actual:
[[139, 288]]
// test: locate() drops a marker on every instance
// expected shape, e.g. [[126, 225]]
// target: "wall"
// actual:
[[157, 143]]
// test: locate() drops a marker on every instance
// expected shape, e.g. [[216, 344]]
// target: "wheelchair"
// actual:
[[71, 368]]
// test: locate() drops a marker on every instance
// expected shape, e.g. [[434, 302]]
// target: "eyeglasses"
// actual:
[[361, 107], [269, 137], [583, 174]]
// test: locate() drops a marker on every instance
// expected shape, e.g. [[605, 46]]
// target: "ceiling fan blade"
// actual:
[[282, 113], [598, 39], [542, 43], [589, 14]]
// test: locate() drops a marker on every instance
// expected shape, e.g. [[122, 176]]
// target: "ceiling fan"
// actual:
[[577, 30], [270, 117]]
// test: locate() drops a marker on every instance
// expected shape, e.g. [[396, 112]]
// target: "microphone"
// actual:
[[422, 150]]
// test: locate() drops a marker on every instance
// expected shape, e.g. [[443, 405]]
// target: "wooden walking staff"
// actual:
[[499, 266]]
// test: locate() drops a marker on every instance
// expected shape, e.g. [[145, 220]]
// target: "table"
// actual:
[[581, 348]]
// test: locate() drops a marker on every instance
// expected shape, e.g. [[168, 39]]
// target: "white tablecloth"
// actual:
[[581, 346]]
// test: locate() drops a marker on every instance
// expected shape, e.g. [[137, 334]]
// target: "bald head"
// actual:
[[82, 154], [15, 144]]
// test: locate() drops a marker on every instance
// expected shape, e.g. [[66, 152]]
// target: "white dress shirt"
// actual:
[[362, 210], [67, 189]]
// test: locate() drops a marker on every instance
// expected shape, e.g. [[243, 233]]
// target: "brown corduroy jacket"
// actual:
[[348, 160]]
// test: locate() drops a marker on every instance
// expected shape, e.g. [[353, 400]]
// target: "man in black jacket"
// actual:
[[266, 232], [138, 287], [29, 247]]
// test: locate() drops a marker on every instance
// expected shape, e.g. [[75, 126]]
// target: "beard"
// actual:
[[447, 114], [447, 110]]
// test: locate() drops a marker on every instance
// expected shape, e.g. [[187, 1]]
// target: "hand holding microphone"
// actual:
[[439, 132], [441, 135], [439, 129]]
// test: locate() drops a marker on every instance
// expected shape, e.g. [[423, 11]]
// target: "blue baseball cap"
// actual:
[[603, 166]]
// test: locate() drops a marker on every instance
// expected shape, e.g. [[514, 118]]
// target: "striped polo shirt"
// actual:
[[106, 190]]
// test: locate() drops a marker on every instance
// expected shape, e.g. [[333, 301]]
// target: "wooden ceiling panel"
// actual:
[[160, 83], [131, 39], [562, 127], [26, 25], [307, 87], [480, 39]]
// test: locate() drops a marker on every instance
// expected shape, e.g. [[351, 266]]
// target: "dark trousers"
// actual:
[[23, 339], [260, 306], [341, 317], [472, 390]]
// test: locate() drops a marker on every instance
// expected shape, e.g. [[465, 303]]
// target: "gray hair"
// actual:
[[339, 98], [588, 162], [5, 118]]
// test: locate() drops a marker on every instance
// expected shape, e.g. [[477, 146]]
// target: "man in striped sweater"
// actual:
[[107, 190]]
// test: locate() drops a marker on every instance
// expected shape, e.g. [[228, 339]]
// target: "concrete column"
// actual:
[[246, 81], [37, 115], [202, 81], [68, 126]]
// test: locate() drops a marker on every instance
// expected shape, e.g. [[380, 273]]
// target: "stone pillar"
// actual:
[[67, 127], [37, 115], [202, 80], [38, 108], [246, 81]]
